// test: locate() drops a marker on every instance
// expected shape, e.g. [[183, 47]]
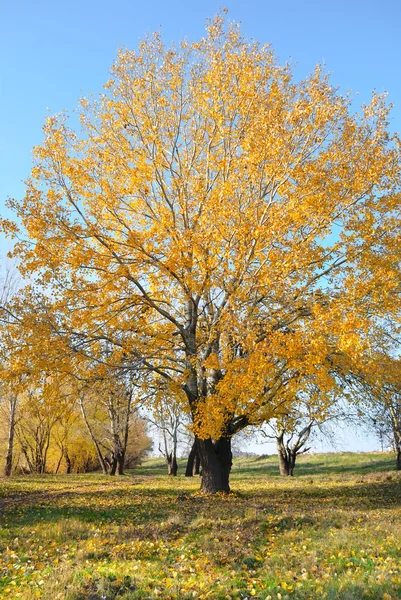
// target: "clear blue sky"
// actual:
[[54, 52]]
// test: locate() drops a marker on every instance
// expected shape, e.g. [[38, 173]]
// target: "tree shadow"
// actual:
[[384, 493], [140, 507], [316, 468]]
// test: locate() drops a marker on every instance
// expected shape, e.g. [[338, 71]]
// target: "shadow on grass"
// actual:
[[129, 588], [140, 507], [309, 469], [363, 496], [51, 506], [158, 466]]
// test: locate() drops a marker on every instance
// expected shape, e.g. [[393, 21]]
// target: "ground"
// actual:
[[333, 531]]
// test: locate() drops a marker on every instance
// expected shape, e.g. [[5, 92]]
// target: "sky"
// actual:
[[53, 53]]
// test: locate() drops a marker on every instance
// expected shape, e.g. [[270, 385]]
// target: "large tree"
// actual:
[[217, 223]]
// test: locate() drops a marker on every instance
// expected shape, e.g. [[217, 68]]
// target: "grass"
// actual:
[[333, 531]]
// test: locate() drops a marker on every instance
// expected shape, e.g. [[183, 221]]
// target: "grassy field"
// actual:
[[333, 531]]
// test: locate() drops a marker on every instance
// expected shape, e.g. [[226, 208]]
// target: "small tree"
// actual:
[[292, 431], [382, 407], [292, 447], [378, 383], [63, 434], [291, 434], [171, 425], [139, 442], [385, 421], [33, 430], [168, 422], [109, 412]]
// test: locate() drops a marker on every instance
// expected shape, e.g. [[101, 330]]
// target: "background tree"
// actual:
[[291, 441], [109, 412], [8, 415], [382, 407], [139, 442], [231, 229], [193, 463], [311, 414], [9, 379], [170, 426], [384, 420], [38, 416], [64, 432]]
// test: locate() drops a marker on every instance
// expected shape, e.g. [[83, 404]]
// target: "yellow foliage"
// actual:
[[219, 225]]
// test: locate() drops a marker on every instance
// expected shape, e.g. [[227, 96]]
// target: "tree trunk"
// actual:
[[293, 458], [283, 465], [59, 462], [97, 447], [215, 456], [395, 421], [25, 452], [216, 460], [100, 457], [398, 459], [193, 462], [286, 459], [118, 453], [67, 462], [120, 463], [116, 464], [197, 465], [10, 446], [172, 466], [113, 465], [45, 451], [189, 471]]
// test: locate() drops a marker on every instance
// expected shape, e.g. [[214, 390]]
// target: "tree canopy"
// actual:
[[218, 226]]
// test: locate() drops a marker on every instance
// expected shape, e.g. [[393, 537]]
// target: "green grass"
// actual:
[[333, 531]]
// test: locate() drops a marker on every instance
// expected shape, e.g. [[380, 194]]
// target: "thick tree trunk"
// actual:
[[172, 466], [216, 460], [284, 465], [116, 464], [215, 456], [286, 459]]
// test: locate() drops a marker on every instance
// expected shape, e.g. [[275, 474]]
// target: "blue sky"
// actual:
[[52, 53]]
